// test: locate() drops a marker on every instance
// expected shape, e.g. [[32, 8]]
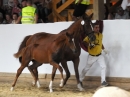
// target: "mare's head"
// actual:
[[66, 39], [87, 24], [81, 26]]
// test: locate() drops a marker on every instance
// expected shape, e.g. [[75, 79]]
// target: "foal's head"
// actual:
[[66, 39]]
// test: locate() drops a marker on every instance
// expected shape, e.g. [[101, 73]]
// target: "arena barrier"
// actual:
[[116, 41]]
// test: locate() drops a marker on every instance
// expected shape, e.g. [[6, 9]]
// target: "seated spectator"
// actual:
[[16, 7], [8, 19], [121, 14], [2, 21], [15, 18], [8, 8], [128, 9], [1, 10], [111, 16], [23, 3], [125, 3]]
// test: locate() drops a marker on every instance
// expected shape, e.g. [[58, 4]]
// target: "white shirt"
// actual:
[[125, 3]]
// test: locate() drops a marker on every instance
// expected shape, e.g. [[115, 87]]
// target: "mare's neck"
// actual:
[[75, 26]]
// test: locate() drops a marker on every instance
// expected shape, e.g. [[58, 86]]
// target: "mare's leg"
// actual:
[[76, 65], [56, 65], [65, 66], [52, 77]]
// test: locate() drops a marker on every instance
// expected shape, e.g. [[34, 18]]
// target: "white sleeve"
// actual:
[[124, 4]]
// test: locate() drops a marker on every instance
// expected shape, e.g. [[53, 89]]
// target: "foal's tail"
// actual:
[[19, 53], [22, 45]]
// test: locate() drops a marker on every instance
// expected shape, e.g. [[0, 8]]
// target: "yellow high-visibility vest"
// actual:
[[28, 15], [86, 2]]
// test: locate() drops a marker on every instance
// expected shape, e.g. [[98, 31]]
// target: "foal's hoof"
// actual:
[[12, 88], [38, 84], [33, 84], [61, 85]]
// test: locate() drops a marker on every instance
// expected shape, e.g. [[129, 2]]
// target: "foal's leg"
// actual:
[[61, 71], [19, 71], [65, 66], [76, 65], [52, 77], [34, 72]]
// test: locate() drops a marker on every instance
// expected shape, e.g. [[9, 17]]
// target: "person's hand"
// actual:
[[92, 45], [105, 51]]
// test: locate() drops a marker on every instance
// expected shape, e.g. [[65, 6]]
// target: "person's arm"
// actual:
[[103, 47], [104, 50], [19, 18], [36, 16], [85, 42]]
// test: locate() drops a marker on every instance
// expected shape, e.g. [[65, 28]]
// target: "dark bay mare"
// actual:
[[82, 26], [48, 52]]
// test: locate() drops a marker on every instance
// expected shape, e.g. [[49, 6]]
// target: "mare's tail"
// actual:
[[22, 45]]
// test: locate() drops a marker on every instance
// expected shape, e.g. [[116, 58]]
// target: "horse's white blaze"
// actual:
[[80, 87], [82, 22], [61, 83], [50, 86], [38, 84], [12, 88]]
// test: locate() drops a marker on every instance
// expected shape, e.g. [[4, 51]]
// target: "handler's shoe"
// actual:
[[104, 83]]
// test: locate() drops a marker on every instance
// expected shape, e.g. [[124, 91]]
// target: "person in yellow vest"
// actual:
[[29, 14], [80, 8], [95, 51]]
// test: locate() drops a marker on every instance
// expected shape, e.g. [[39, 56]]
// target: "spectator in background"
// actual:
[[15, 18], [128, 9], [1, 10], [125, 3], [23, 3], [47, 9], [106, 10], [16, 7], [80, 8], [2, 21], [29, 14], [8, 18], [121, 14], [111, 16], [8, 8]]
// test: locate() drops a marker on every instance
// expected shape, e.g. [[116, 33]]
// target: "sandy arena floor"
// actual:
[[24, 88]]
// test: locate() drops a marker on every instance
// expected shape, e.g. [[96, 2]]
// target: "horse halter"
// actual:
[[90, 35]]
